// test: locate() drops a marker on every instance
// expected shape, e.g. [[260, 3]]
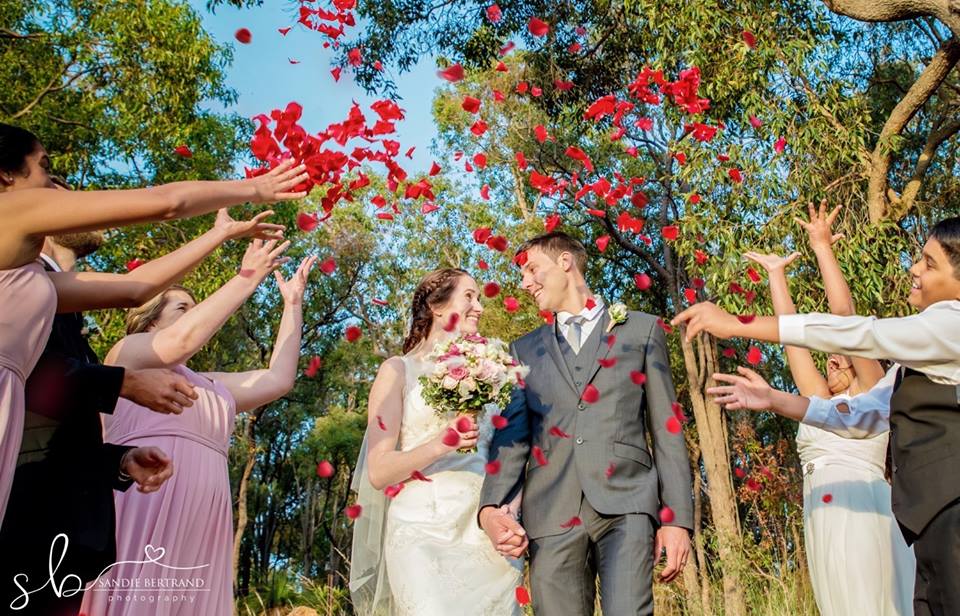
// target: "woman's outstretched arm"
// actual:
[[31, 214], [175, 344], [79, 291], [254, 388]]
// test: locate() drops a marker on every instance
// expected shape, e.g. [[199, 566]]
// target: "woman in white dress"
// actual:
[[417, 547], [859, 562]]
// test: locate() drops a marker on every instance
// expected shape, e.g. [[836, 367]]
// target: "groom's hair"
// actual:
[[555, 243]]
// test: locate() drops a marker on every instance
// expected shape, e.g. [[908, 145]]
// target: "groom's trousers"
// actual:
[[937, 548], [616, 548]]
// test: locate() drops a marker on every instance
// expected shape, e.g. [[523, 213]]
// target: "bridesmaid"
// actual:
[[858, 560], [189, 521], [31, 210]]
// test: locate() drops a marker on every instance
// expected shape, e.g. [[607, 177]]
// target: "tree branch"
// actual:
[[924, 87], [901, 205]]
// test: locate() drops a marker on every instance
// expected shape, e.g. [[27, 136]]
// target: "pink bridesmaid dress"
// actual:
[[28, 302], [178, 541]]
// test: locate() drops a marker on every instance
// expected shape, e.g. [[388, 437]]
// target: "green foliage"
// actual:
[[111, 88]]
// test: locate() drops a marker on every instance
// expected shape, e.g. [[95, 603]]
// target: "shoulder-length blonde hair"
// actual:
[[140, 319]]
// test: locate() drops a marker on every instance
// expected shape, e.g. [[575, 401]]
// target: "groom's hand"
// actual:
[[676, 541], [505, 533]]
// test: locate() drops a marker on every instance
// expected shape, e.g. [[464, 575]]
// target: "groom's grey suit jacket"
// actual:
[[607, 457]]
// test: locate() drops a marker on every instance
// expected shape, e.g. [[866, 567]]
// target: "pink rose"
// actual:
[[458, 372]]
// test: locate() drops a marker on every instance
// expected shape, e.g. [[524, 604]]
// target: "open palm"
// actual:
[[293, 289], [747, 391], [254, 228], [771, 262]]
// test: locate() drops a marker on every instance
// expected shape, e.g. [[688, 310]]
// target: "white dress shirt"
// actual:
[[928, 342], [591, 318]]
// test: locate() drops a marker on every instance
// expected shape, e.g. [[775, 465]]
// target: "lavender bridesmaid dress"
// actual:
[[28, 302], [179, 539]]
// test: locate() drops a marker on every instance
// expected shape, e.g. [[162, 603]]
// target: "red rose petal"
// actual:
[[602, 242], [183, 151], [590, 304], [336, 73], [547, 316], [674, 426], [452, 73], [499, 422], [133, 264], [511, 304], [746, 318], [538, 27], [638, 378], [380, 424], [451, 323], [827, 498], [353, 333], [538, 456], [590, 394], [283, 31], [574, 521], [313, 367], [643, 281], [739, 472], [464, 424], [327, 266], [491, 289], [243, 35], [307, 222], [493, 467], [392, 491], [690, 295], [608, 363], [749, 39], [481, 235], [666, 515], [753, 275], [610, 470], [451, 438], [470, 104], [419, 476], [670, 232], [556, 431], [754, 356], [325, 470], [493, 13], [353, 511], [523, 596], [551, 222]]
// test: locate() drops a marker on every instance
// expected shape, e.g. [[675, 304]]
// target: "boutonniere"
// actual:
[[618, 315]]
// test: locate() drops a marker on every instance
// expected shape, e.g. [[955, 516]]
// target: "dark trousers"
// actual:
[[616, 548], [937, 549]]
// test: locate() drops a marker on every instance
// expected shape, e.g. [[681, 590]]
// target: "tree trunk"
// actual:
[[947, 11], [248, 439], [716, 461]]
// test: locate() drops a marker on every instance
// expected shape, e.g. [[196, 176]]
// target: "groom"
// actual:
[[592, 490]]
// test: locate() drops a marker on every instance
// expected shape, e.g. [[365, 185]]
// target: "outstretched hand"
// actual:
[[747, 391], [819, 227], [262, 258], [771, 262], [255, 227], [276, 184], [292, 290], [706, 317]]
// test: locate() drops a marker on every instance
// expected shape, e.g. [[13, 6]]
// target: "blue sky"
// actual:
[[265, 79]]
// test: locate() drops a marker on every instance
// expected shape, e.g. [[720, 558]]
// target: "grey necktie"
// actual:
[[574, 332]]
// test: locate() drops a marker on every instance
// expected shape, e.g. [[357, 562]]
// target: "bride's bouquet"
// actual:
[[469, 373]]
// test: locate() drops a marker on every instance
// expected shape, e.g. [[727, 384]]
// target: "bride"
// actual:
[[417, 547]]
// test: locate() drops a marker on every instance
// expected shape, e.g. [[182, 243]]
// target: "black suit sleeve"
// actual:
[[110, 457], [61, 384]]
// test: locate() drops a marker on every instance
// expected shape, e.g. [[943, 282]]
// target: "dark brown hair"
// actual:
[[553, 244], [434, 290], [140, 319], [15, 145], [947, 233]]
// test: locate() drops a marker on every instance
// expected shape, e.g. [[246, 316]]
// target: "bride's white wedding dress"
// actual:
[[859, 562], [437, 560]]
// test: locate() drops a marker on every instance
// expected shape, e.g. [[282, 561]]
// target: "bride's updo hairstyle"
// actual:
[[434, 290]]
